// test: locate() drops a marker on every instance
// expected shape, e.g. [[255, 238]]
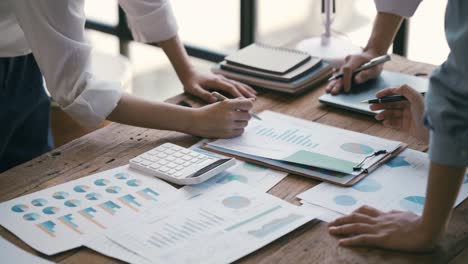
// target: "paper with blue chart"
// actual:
[[219, 226], [400, 184], [259, 177], [58, 218], [285, 138]]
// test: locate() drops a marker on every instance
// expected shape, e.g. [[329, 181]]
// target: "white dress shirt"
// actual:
[[404, 8], [54, 31]]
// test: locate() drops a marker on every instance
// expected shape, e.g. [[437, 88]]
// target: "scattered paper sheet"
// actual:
[[220, 226], [326, 215], [400, 184], [56, 219], [100, 243], [13, 254]]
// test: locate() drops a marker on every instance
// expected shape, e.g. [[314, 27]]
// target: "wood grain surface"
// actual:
[[115, 144]]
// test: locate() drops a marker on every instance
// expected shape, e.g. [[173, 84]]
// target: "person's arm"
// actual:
[[152, 21], [220, 120], [383, 32], [405, 231], [387, 22], [441, 193], [54, 31]]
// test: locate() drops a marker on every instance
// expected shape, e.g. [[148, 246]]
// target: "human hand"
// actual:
[[198, 85], [352, 62], [224, 119], [369, 227], [404, 115]]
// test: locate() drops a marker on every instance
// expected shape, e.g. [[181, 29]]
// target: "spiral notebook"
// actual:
[[268, 59]]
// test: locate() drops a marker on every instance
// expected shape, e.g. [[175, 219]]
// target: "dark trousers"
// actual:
[[24, 112]]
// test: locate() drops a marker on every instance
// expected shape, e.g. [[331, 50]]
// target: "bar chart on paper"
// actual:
[[220, 226], [289, 136]]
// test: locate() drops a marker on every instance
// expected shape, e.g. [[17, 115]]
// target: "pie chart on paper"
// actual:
[[236, 202], [93, 196], [134, 183], [39, 202], [20, 208], [357, 148], [414, 204], [31, 217], [121, 176], [81, 188], [60, 195], [101, 182], [51, 210], [72, 203], [113, 189]]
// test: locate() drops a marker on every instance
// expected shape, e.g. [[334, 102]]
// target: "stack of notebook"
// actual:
[[279, 69]]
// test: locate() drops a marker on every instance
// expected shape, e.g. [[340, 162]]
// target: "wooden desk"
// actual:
[[115, 144]]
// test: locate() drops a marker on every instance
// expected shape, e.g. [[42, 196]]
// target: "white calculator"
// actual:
[[180, 165]]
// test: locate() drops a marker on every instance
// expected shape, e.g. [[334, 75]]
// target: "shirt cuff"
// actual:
[[154, 27], [404, 8], [446, 150], [94, 103]]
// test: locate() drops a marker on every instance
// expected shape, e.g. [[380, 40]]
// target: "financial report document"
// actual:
[[400, 184], [285, 138], [220, 226], [59, 218]]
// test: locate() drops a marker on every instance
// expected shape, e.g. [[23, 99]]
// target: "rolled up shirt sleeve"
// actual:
[[150, 21], [447, 100], [54, 30], [404, 8]]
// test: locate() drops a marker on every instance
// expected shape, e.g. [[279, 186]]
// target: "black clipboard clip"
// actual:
[[375, 154]]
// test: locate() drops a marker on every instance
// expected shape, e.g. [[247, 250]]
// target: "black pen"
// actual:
[[387, 99], [365, 66]]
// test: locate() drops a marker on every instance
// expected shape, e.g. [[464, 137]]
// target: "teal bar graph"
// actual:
[[110, 207], [148, 194], [253, 218], [290, 136], [48, 227]]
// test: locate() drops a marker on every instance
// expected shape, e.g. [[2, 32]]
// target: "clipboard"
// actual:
[[316, 176]]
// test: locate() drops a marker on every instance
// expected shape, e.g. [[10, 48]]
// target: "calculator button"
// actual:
[[178, 174], [164, 169], [186, 163], [187, 158], [170, 158], [175, 147], [145, 163], [179, 168], [171, 172], [155, 166], [171, 165], [162, 162], [179, 161], [137, 160], [185, 151]]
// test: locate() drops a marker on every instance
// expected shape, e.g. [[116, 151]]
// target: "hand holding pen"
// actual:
[[221, 97], [401, 108], [357, 68]]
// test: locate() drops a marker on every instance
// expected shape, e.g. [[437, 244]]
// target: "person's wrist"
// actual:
[[187, 75], [373, 52], [429, 236], [195, 118]]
